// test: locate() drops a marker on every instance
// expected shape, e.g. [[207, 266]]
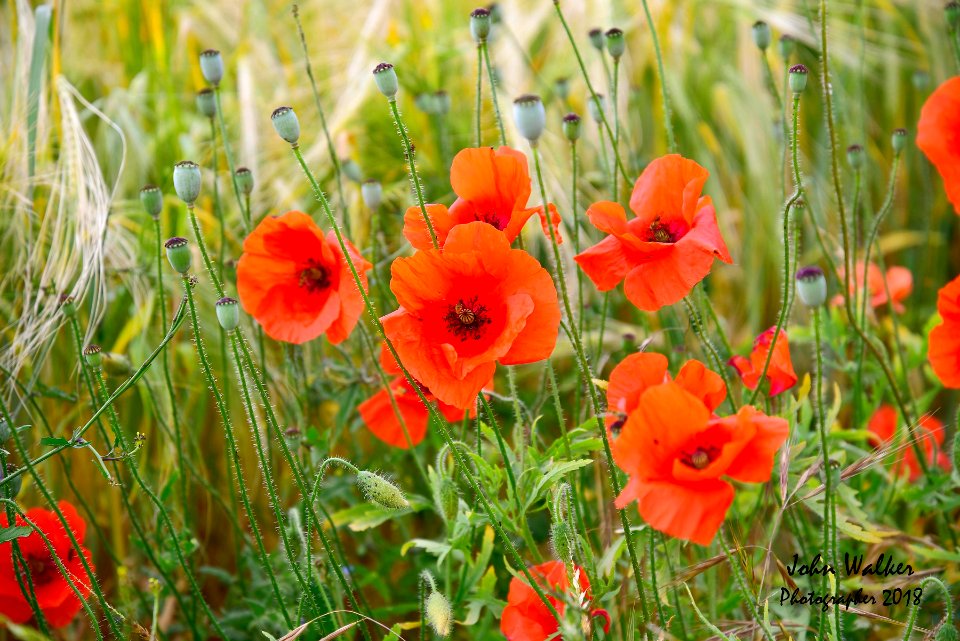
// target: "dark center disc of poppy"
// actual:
[[493, 219], [466, 319], [700, 457], [659, 232], [41, 570], [617, 425], [315, 278]]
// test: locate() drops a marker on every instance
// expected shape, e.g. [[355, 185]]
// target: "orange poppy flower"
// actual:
[[670, 244], [899, 282], [937, 134], [676, 453], [930, 434], [526, 618], [492, 186], [780, 371], [943, 345], [296, 282], [467, 307]]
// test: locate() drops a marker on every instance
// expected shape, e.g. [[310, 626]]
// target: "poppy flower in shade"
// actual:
[[296, 282], [492, 186], [943, 345], [899, 281], [526, 618], [929, 433], [54, 595], [677, 455], [670, 244], [938, 133], [780, 371], [638, 372], [465, 308]]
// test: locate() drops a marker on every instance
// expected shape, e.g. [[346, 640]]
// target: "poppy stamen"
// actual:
[[466, 319], [700, 457], [493, 219], [660, 233], [315, 277]]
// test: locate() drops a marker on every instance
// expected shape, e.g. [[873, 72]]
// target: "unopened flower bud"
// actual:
[[381, 491], [186, 181], [921, 80], [438, 613], [946, 632], [855, 156], [424, 102], [812, 286], [178, 253], [480, 24], [93, 355], [228, 313], [616, 44], [899, 140], [597, 106], [561, 540], [529, 116], [68, 306], [11, 489], [244, 180], [446, 498], [285, 123], [207, 103], [787, 46], [211, 66], [351, 169], [952, 10], [596, 38], [386, 78], [152, 200], [441, 102], [798, 78], [571, 127], [372, 194], [5, 432], [561, 87], [761, 34]]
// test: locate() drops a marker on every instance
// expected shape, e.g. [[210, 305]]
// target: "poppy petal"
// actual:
[[691, 512]]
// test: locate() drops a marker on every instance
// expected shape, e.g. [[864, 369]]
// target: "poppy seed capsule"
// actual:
[[480, 24], [899, 140], [496, 13], [178, 253], [186, 181], [596, 38], [616, 44], [855, 156], [152, 200], [351, 169], [812, 286], [386, 78], [561, 87], [286, 124], [441, 102], [244, 180], [597, 106], [68, 306], [211, 66], [372, 194], [12, 489], [530, 117], [798, 78], [787, 45], [206, 103], [439, 613], [761, 35], [571, 127], [93, 355], [381, 491], [921, 80], [228, 313]]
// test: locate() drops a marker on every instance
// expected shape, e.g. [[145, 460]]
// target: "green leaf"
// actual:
[[8, 534], [54, 441]]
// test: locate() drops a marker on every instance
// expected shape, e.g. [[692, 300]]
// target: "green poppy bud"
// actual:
[[616, 44], [596, 107], [561, 540], [381, 491], [761, 34], [228, 313], [787, 46], [921, 80], [152, 200], [211, 66], [207, 103], [946, 632], [372, 194], [529, 116], [12, 489], [351, 169], [480, 24], [446, 498], [798, 78], [5, 432], [68, 306], [186, 181], [899, 140], [178, 253], [812, 286], [244, 180], [571, 127], [855, 156], [441, 102], [93, 355], [596, 38], [561, 87], [952, 9], [386, 78], [285, 123], [438, 613]]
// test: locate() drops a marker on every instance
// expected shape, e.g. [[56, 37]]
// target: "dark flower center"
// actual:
[[617, 425], [700, 457], [315, 278], [466, 319], [42, 571], [496, 220], [659, 232]]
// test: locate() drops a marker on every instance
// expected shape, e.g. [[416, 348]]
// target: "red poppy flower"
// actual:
[[465, 308], [899, 282], [296, 282], [668, 247], [780, 371], [929, 433], [943, 345], [676, 453], [526, 618], [492, 186], [938, 135], [54, 595]]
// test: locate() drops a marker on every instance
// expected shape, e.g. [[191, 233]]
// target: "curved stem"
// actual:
[[410, 153], [230, 164], [485, 49]]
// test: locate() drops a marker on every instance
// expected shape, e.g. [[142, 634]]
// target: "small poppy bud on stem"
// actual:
[[530, 117], [761, 35], [596, 38], [228, 313], [244, 180], [480, 24], [561, 86], [186, 181], [946, 632], [616, 44], [921, 80], [439, 613], [386, 78], [787, 46], [899, 140], [561, 540], [211, 66], [11, 489], [441, 102], [571, 127], [93, 355], [372, 194], [351, 169], [597, 107], [152, 200], [855, 156], [446, 498], [68, 306], [812, 286], [286, 124], [381, 491], [798, 78], [178, 253], [207, 103]]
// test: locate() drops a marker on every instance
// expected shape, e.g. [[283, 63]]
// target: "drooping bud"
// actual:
[[441, 102], [351, 169], [480, 24], [798, 78], [438, 613], [386, 78], [286, 124], [561, 540], [855, 156], [952, 10], [787, 46], [207, 103], [244, 180], [812, 286], [596, 38], [93, 355], [186, 181], [761, 35], [616, 44], [211, 66], [381, 491], [946, 632], [11, 489], [899, 140], [152, 200], [446, 498], [530, 117], [68, 306], [178, 253], [597, 106], [372, 194], [561, 87], [228, 313], [571, 127]]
